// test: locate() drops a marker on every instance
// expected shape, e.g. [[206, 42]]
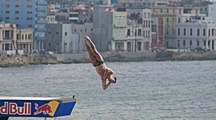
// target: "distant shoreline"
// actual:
[[108, 56]]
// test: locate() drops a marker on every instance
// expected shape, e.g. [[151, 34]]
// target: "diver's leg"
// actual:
[[91, 55], [93, 49]]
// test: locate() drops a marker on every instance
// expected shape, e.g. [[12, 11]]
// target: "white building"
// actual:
[[131, 30], [195, 31]]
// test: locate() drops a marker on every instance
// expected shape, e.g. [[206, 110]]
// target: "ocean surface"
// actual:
[[167, 90]]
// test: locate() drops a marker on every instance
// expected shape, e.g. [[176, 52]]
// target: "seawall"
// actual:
[[108, 56]]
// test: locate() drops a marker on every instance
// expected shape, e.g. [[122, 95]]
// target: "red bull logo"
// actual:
[[14, 109], [46, 109]]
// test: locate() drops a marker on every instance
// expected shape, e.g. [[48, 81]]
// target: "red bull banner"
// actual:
[[35, 107]]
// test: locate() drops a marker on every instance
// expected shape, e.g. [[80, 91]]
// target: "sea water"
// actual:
[[167, 90]]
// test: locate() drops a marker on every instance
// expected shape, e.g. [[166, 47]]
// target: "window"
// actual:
[[139, 46], [184, 31], [213, 32], [173, 20], [29, 36], [184, 43], [17, 12], [17, 18], [29, 18], [179, 20], [29, 6], [7, 6], [7, 12], [16, 6], [191, 32], [204, 32], [65, 33], [167, 20], [144, 33], [178, 44], [190, 42], [179, 32], [29, 12], [198, 32], [139, 32], [209, 32], [128, 32], [7, 34], [7, 18], [29, 26]]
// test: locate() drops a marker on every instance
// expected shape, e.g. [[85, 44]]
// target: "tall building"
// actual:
[[102, 27], [26, 14], [164, 25]]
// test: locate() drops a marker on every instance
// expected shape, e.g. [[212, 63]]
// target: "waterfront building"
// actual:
[[66, 37], [195, 31], [121, 29], [24, 40], [79, 31], [102, 27], [8, 37], [164, 27], [26, 14], [138, 31], [58, 35]]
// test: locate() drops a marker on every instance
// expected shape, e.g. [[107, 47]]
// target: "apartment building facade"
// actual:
[[164, 25], [7, 37], [66, 38], [26, 14], [24, 40], [195, 31]]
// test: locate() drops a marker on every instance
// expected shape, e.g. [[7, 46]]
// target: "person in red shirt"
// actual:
[[97, 61]]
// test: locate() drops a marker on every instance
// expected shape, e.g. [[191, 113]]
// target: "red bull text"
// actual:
[[14, 109]]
